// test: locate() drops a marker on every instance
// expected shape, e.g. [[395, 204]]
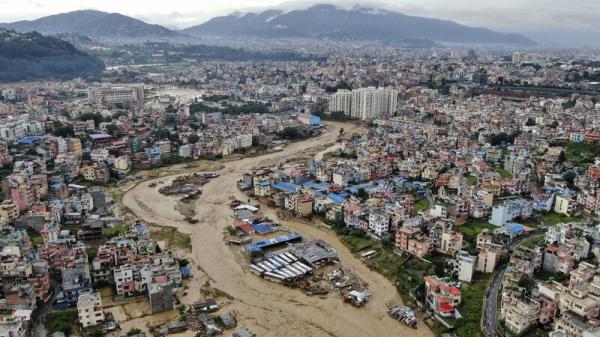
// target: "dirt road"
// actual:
[[265, 308]]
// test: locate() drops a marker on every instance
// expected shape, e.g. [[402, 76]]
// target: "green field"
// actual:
[[420, 204], [472, 228]]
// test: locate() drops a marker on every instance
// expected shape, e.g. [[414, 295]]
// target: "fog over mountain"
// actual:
[[357, 23]]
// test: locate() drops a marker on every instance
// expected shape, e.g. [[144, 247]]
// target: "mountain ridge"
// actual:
[[358, 23], [95, 25], [33, 56]]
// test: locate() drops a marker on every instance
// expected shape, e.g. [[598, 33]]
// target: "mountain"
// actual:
[[33, 56], [358, 23], [95, 25]]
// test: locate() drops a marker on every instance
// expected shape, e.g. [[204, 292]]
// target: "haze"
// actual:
[[550, 22]]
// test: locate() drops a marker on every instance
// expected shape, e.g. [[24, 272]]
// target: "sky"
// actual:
[[540, 19]]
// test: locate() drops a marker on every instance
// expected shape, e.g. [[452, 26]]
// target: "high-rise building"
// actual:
[[341, 101], [517, 57], [365, 103]]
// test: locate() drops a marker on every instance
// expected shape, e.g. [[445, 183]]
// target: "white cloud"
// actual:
[[506, 15]]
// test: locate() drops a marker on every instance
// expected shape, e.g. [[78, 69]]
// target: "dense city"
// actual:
[[357, 190]]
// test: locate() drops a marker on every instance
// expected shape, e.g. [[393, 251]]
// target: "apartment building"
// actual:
[[365, 103], [89, 309], [520, 314]]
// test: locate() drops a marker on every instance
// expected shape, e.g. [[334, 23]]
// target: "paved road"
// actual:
[[490, 316]]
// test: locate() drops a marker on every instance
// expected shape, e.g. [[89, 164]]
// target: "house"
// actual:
[[442, 296]]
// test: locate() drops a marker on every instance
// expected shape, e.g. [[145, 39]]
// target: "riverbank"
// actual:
[[267, 309]]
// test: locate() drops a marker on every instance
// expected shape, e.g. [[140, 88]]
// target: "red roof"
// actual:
[[444, 307], [244, 227], [454, 291]]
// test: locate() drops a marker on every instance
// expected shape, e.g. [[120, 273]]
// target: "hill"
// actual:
[[32, 56], [358, 23], [95, 25]]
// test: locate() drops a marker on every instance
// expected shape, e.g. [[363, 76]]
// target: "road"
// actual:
[[491, 301], [266, 308]]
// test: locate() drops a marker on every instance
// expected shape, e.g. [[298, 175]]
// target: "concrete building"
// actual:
[[160, 296], [341, 101], [365, 103], [116, 95], [510, 210], [89, 309], [520, 314]]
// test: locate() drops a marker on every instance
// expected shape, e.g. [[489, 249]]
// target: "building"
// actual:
[[341, 101], [116, 95], [89, 309], [309, 120], [466, 266], [487, 259], [160, 296], [520, 314], [365, 103], [9, 211], [510, 210], [565, 205], [450, 242], [442, 296]]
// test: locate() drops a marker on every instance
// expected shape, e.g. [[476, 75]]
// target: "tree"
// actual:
[[530, 122], [112, 130], [290, 133], [362, 193], [193, 139], [134, 331]]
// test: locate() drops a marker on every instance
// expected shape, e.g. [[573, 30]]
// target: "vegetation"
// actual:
[[291, 133], [472, 228], [61, 321], [109, 232], [420, 204], [173, 238], [31, 56], [551, 218], [580, 154], [503, 137], [473, 296], [503, 172]]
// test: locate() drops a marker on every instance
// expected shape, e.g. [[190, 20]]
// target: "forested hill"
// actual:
[[32, 56]]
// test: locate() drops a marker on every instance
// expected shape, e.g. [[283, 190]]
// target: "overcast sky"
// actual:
[[536, 17]]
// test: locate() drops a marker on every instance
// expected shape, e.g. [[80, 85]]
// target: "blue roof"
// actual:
[[260, 245], [264, 183], [262, 228], [29, 140], [336, 198], [283, 186], [516, 228], [186, 271]]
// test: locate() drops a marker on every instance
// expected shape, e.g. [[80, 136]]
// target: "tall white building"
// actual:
[[341, 101], [89, 309], [365, 103]]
